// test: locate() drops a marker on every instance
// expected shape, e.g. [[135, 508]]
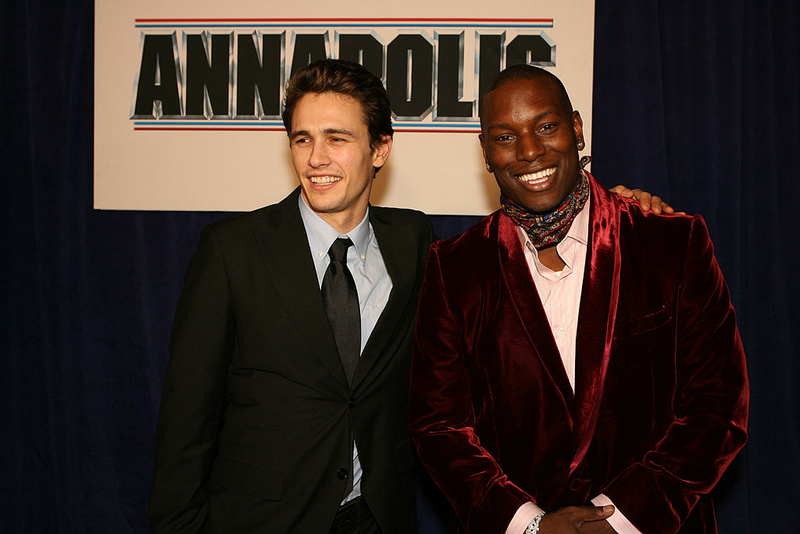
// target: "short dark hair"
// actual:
[[346, 78], [526, 72]]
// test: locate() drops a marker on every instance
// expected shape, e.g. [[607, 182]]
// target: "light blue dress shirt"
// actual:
[[373, 283]]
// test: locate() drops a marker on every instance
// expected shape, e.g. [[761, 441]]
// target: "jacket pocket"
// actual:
[[254, 443], [626, 327]]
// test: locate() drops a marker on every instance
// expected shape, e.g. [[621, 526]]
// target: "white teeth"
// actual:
[[324, 179], [536, 177]]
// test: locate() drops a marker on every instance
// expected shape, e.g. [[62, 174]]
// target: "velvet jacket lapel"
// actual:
[[284, 248], [525, 298], [598, 311], [599, 299]]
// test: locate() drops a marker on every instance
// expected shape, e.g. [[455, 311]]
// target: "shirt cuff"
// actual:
[[523, 517], [617, 520]]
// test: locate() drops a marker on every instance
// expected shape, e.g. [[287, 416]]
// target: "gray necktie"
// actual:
[[340, 299]]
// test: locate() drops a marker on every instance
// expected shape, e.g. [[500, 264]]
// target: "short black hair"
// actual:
[[526, 72]]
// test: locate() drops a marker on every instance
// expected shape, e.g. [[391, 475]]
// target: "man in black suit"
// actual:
[[261, 429]]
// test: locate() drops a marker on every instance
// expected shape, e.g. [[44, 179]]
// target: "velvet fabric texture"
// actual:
[[661, 399]]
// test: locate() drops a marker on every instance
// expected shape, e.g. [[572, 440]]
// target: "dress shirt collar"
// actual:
[[321, 235]]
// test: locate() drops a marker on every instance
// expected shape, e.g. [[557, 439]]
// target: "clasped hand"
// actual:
[[577, 519]]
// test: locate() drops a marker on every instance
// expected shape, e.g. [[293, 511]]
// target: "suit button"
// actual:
[[341, 473], [351, 403]]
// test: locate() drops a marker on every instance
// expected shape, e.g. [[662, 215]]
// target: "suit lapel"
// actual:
[[400, 255], [525, 298], [284, 248], [599, 299]]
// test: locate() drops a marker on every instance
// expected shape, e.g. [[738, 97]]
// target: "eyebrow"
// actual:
[[537, 118], [327, 131], [343, 131]]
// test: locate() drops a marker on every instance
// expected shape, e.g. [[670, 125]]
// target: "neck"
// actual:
[[549, 257], [341, 222]]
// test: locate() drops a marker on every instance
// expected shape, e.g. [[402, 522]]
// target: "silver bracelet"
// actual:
[[533, 528]]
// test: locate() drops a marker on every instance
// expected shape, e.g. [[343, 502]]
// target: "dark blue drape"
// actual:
[[696, 100]]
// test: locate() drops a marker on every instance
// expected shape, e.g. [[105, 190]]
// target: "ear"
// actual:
[[577, 126], [483, 149], [381, 152]]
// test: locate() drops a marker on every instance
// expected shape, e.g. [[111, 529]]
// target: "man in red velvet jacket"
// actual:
[[572, 352]]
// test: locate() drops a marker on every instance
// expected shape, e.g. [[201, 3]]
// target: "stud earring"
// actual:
[[488, 168], [580, 144]]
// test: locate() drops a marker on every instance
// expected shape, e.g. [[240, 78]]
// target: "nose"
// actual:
[[318, 155], [529, 147]]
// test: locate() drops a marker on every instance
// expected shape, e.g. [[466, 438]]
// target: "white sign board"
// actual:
[[188, 94]]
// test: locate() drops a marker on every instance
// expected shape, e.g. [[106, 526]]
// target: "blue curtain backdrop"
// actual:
[[696, 100]]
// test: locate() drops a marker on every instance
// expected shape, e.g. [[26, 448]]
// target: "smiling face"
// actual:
[[529, 137], [331, 154]]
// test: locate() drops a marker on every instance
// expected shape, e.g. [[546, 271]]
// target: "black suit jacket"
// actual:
[[257, 419]]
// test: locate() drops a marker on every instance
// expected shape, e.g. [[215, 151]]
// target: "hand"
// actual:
[[647, 201], [571, 519], [597, 527]]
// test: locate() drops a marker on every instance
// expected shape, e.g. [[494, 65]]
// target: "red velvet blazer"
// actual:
[[661, 398]]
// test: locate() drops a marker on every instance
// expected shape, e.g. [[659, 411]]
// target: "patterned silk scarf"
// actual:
[[546, 229]]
